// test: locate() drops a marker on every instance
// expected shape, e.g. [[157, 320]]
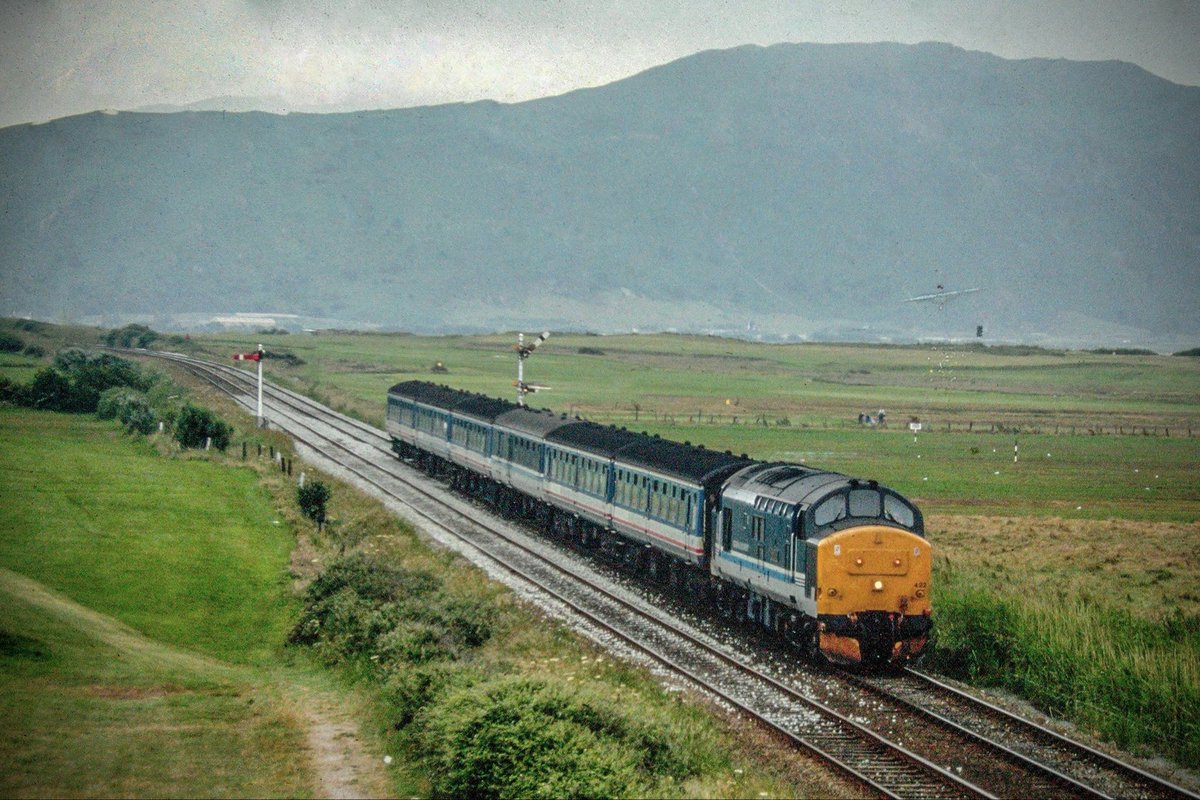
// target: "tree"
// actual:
[[196, 425], [312, 498], [10, 343], [130, 336]]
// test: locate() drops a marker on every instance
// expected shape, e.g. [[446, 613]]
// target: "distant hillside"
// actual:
[[804, 189]]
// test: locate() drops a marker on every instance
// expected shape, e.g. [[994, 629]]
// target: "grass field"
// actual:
[[144, 608], [819, 390]]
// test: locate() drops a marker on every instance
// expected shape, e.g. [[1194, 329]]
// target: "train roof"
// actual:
[[484, 408], [430, 394], [592, 437], [695, 464], [681, 460], [685, 461], [533, 422]]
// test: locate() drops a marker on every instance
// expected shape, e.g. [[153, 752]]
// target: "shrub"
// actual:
[[313, 497], [128, 406], [193, 426], [10, 342], [140, 418], [34, 351], [14, 393], [52, 390], [130, 336], [974, 636], [525, 737]]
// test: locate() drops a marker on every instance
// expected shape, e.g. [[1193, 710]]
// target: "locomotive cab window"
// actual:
[[830, 511], [898, 511], [864, 503]]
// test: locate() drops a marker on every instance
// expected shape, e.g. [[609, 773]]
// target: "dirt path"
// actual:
[[342, 766]]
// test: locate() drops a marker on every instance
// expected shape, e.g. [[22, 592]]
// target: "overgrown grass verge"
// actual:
[[1133, 680], [483, 698]]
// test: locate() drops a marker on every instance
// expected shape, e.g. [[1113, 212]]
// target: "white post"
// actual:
[[260, 408]]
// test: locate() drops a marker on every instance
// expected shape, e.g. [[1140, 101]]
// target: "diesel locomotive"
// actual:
[[838, 565]]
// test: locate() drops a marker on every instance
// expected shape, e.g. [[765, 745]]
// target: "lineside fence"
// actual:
[[644, 416]]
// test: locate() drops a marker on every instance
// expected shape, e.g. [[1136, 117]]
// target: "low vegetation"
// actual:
[[1128, 678], [484, 699]]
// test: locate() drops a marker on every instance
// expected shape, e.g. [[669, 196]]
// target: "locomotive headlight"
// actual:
[[919, 592], [832, 592], [878, 586]]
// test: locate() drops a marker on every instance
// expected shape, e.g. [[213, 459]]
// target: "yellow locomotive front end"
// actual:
[[872, 595]]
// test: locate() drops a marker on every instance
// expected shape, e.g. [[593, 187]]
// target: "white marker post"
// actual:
[[260, 420]]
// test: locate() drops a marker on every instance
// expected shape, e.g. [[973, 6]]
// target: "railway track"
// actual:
[[916, 737]]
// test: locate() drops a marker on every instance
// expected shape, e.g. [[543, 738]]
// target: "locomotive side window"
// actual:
[[864, 503], [830, 511]]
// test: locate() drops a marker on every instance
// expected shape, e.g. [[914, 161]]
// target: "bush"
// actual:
[[313, 497], [52, 390], [974, 636], [193, 426], [14, 393], [10, 342], [34, 351], [128, 406], [130, 336], [524, 737]]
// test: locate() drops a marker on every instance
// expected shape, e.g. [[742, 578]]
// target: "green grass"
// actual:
[[143, 602], [1124, 677], [97, 717], [1085, 477], [811, 382], [144, 521]]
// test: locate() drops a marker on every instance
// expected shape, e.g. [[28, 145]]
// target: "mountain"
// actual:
[[798, 189]]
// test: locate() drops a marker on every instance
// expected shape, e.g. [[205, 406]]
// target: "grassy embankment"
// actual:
[[145, 603], [1068, 577]]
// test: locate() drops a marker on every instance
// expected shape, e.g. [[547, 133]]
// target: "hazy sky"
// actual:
[[60, 57]]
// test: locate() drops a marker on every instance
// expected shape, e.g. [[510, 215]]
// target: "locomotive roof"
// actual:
[[791, 483]]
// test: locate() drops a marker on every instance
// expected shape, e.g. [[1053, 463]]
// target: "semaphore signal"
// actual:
[[523, 352], [258, 356]]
